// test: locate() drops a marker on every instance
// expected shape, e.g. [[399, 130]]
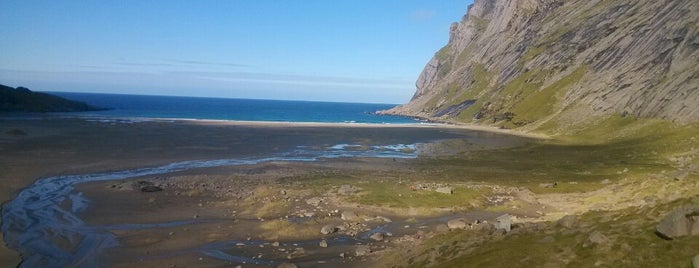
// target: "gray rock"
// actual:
[[328, 229], [596, 239], [362, 250], [323, 243], [441, 228], [348, 190], [349, 215], [314, 201], [695, 261], [459, 223], [679, 223], [503, 222], [445, 190], [377, 236], [287, 265], [568, 221], [547, 239]]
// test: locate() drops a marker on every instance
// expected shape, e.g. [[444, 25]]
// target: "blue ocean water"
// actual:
[[139, 106]]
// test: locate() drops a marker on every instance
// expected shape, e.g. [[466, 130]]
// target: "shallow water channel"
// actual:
[[48, 234]]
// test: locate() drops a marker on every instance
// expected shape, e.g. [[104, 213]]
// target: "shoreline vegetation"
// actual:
[[615, 182]]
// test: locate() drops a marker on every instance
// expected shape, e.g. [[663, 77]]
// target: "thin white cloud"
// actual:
[[422, 15]]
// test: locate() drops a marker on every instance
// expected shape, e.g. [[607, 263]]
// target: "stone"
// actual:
[[328, 229], [503, 222], [459, 223], [549, 185], [348, 190], [695, 261], [445, 190], [547, 239], [441, 228], [323, 243], [568, 221], [362, 250], [349, 215], [314, 201], [596, 239], [377, 236], [275, 244], [287, 265], [151, 189], [679, 223]]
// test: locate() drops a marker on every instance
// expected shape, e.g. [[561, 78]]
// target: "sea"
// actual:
[[169, 107]]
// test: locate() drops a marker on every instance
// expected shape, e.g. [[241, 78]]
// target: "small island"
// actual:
[[22, 99]]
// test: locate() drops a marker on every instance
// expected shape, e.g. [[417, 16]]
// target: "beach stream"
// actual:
[[48, 232]]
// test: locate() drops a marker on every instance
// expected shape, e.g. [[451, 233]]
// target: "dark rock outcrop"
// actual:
[[24, 100]]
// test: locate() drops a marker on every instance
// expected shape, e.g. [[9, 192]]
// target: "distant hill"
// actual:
[[21, 99]]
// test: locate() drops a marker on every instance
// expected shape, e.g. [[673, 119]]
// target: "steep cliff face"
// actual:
[[517, 63]]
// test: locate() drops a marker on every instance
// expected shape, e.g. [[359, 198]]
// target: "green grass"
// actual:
[[631, 232], [542, 103]]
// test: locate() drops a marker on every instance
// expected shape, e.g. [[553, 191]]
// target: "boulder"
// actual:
[[445, 190], [377, 236], [287, 265], [314, 201], [695, 261], [459, 223], [349, 215], [503, 222], [596, 239], [328, 229], [362, 250], [568, 221], [347, 190], [679, 223], [323, 243]]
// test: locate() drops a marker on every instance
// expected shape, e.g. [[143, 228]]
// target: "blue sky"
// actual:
[[329, 50]]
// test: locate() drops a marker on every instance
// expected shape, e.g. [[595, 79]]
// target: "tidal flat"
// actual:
[[338, 195]]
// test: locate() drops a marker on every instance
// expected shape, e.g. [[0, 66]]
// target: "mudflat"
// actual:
[[40, 147], [178, 193]]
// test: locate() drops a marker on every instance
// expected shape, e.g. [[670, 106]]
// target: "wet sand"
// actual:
[[54, 146]]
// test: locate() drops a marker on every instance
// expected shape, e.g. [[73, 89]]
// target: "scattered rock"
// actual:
[[348, 190], [314, 201], [150, 189], [503, 222], [287, 265], [377, 236], [445, 190], [459, 223], [547, 239], [275, 244], [349, 215], [568, 221], [362, 250], [146, 186], [328, 229], [596, 239], [323, 243], [681, 222], [384, 219], [441, 228], [548, 185]]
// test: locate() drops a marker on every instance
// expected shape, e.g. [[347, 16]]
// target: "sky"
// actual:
[[325, 50]]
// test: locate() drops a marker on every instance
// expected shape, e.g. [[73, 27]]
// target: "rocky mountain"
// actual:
[[24, 100], [526, 63]]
